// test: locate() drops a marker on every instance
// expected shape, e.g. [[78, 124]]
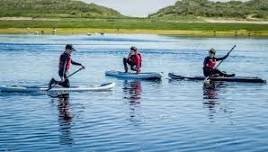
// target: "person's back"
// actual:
[[64, 63], [137, 59]]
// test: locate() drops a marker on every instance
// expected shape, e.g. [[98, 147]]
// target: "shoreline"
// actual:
[[92, 31]]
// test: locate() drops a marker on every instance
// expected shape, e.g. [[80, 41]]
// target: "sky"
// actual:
[[137, 8]]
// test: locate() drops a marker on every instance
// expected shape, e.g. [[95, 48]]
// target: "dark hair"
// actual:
[[133, 48], [69, 46], [212, 50]]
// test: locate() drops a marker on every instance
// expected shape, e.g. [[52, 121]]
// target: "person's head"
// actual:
[[69, 48], [133, 49], [212, 52]]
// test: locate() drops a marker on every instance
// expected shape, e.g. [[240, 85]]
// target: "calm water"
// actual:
[[136, 115]]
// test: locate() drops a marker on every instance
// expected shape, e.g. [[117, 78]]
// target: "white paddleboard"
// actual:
[[25, 89]]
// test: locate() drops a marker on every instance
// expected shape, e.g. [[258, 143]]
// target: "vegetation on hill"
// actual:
[[54, 8], [74, 16], [206, 8]]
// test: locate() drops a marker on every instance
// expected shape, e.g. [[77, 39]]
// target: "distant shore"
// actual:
[[91, 31], [69, 26]]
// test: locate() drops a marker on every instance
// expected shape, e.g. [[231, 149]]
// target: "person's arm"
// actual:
[[76, 63], [129, 56], [222, 58]]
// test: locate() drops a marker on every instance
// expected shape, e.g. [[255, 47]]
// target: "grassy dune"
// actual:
[[54, 8]]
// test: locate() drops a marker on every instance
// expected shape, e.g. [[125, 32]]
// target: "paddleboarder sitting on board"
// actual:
[[134, 59], [209, 65], [64, 66]]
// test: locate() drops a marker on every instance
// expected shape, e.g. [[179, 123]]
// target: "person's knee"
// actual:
[[133, 68], [66, 83]]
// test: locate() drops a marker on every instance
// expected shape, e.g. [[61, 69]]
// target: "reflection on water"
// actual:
[[65, 120], [210, 96], [132, 92], [210, 91], [137, 115]]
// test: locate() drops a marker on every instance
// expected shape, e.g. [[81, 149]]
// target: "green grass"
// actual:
[[132, 24]]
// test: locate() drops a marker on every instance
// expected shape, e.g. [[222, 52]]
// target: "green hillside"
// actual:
[[54, 8], [205, 8]]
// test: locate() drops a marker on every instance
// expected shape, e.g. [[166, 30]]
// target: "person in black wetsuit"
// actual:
[[210, 64], [65, 63]]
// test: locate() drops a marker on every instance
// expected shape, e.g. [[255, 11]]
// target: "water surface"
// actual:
[[136, 115]]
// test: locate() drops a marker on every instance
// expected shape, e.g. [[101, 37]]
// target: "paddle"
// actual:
[[226, 58], [69, 76], [206, 79]]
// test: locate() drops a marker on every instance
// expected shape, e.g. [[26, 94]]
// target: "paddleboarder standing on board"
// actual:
[[65, 63], [134, 59], [209, 65]]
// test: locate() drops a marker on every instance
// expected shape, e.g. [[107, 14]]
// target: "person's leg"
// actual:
[[125, 64], [218, 72], [223, 74], [132, 66], [65, 83], [206, 72], [51, 83]]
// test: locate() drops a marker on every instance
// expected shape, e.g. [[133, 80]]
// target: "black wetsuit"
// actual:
[[64, 65]]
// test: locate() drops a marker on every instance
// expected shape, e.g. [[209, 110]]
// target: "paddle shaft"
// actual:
[[75, 72], [69, 76], [221, 61]]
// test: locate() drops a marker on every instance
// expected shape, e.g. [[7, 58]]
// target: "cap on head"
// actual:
[[69, 47], [212, 50], [133, 48]]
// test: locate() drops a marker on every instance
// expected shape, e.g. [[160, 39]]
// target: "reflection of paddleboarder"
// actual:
[[210, 95], [64, 108], [133, 90], [210, 92], [65, 120]]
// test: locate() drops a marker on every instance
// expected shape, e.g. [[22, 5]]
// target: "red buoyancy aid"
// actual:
[[137, 60], [69, 62], [211, 63]]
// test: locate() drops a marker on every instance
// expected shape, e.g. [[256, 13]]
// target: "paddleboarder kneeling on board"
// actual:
[[64, 66], [134, 59], [209, 65]]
